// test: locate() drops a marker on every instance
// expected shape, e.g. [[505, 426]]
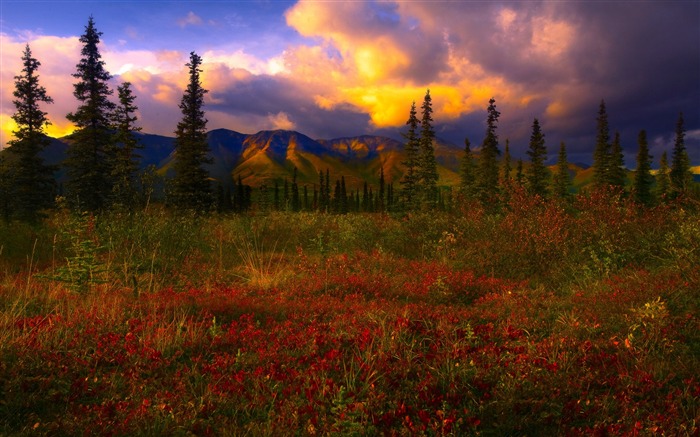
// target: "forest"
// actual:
[[512, 303]]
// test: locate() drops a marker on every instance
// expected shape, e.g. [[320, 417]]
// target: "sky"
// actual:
[[334, 69]]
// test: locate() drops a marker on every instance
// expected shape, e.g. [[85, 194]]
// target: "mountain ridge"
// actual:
[[270, 156]]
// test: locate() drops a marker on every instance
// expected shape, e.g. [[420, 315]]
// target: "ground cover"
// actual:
[[540, 319]]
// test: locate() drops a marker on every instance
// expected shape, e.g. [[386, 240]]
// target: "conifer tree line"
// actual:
[[103, 169]]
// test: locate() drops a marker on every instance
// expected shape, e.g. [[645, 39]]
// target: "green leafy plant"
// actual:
[[83, 268]]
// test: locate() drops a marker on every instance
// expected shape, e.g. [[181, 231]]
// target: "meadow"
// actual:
[[540, 318]]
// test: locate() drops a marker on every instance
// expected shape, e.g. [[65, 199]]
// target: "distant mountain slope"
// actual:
[[266, 156]]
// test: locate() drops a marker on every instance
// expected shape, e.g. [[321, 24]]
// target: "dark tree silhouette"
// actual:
[[487, 174], [409, 181], [29, 183], [427, 169], [663, 178], [601, 154], [191, 186], [537, 173], [126, 164], [617, 175], [88, 163], [681, 177], [562, 179], [507, 168], [466, 172], [642, 176]]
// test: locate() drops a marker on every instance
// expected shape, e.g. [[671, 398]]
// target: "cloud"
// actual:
[[281, 121], [191, 19], [53, 73], [551, 60], [359, 66]]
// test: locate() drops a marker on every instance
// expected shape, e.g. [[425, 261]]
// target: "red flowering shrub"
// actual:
[[362, 340]]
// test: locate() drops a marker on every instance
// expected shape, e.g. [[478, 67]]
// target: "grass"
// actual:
[[538, 320]]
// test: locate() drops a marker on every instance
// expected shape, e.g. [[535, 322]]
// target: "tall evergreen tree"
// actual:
[[466, 171], [562, 178], [681, 176], [343, 206], [642, 176], [296, 204], [601, 154], [88, 163], [286, 200], [328, 190], [487, 174], [617, 174], [6, 197], [409, 181], [126, 165], [191, 186], [519, 176], [537, 172], [663, 178], [29, 183], [336, 197], [506, 178], [427, 170], [382, 188], [322, 202], [365, 198]]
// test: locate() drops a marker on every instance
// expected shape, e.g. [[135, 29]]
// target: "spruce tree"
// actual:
[[296, 204], [681, 176], [537, 172], [6, 197], [380, 198], [88, 163], [427, 170], [562, 178], [642, 176], [390, 197], [28, 182], [409, 181], [617, 174], [328, 190], [519, 176], [343, 206], [487, 174], [663, 178], [321, 195], [365, 198], [191, 187], [126, 165], [466, 172], [336, 197], [506, 178], [601, 154]]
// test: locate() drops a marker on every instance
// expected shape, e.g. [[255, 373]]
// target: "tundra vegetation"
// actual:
[[512, 304]]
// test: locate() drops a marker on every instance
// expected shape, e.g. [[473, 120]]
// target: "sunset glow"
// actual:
[[338, 69]]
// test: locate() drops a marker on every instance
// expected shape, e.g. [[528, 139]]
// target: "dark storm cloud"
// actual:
[[265, 95]]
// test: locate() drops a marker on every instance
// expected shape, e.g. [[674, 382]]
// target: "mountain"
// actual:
[[269, 156], [266, 156]]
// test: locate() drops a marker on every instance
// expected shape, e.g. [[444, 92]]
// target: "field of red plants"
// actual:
[[541, 319]]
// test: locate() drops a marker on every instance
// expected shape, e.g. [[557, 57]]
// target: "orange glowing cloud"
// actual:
[[54, 75], [372, 71]]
